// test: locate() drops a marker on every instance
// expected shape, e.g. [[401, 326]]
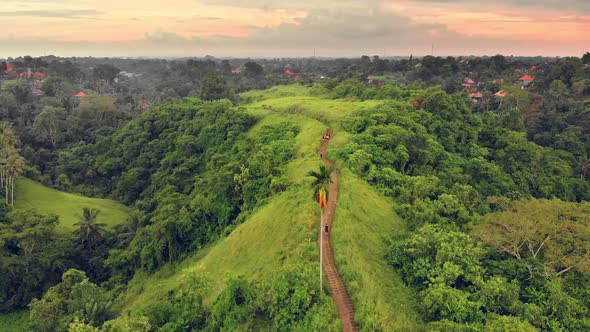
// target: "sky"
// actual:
[[284, 28]]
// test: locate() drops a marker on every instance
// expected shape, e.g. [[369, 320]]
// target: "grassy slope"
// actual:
[[276, 234], [364, 224], [281, 231], [31, 194]]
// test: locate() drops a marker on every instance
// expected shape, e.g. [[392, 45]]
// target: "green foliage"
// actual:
[[32, 195], [128, 324], [188, 168], [215, 87], [77, 326], [194, 176], [184, 311], [99, 111], [105, 72], [293, 293], [51, 124], [89, 231], [394, 145], [321, 180], [76, 300], [32, 255], [17, 321], [253, 69], [290, 302], [554, 232], [236, 306], [351, 88], [132, 226], [434, 255]]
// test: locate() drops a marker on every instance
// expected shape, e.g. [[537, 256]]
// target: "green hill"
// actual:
[[283, 231], [31, 194]]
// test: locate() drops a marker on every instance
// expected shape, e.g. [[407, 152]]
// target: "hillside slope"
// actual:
[[283, 231], [31, 194], [364, 225]]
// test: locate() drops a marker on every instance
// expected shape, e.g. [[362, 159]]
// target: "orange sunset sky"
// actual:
[[293, 28]]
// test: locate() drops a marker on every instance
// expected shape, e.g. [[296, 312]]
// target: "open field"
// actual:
[[31, 194]]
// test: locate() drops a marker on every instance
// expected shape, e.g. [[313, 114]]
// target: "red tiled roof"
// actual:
[[80, 94], [474, 90], [501, 94], [468, 80], [476, 95], [526, 78], [25, 74], [9, 67], [465, 85], [39, 74], [533, 68], [289, 72]]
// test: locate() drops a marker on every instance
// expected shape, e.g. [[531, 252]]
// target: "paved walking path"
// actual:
[[337, 287]]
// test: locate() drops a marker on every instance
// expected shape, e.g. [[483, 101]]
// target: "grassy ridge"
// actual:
[[275, 235], [31, 194], [364, 225], [283, 231]]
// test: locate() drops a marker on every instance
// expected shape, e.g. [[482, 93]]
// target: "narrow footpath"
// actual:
[[337, 287]]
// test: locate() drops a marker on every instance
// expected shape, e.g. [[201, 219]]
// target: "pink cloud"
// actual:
[[433, 32]]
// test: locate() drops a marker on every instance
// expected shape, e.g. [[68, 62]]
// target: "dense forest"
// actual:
[[488, 173]]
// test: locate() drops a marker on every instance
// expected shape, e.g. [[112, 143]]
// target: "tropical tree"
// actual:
[[31, 253], [550, 231], [51, 124], [135, 222], [322, 179], [14, 167], [105, 72], [89, 231], [215, 87], [253, 69], [583, 167], [11, 163]]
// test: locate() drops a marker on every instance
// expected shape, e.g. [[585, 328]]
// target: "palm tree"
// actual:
[[14, 168], [320, 185], [89, 231], [135, 222], [322, 179], [11, 163]]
